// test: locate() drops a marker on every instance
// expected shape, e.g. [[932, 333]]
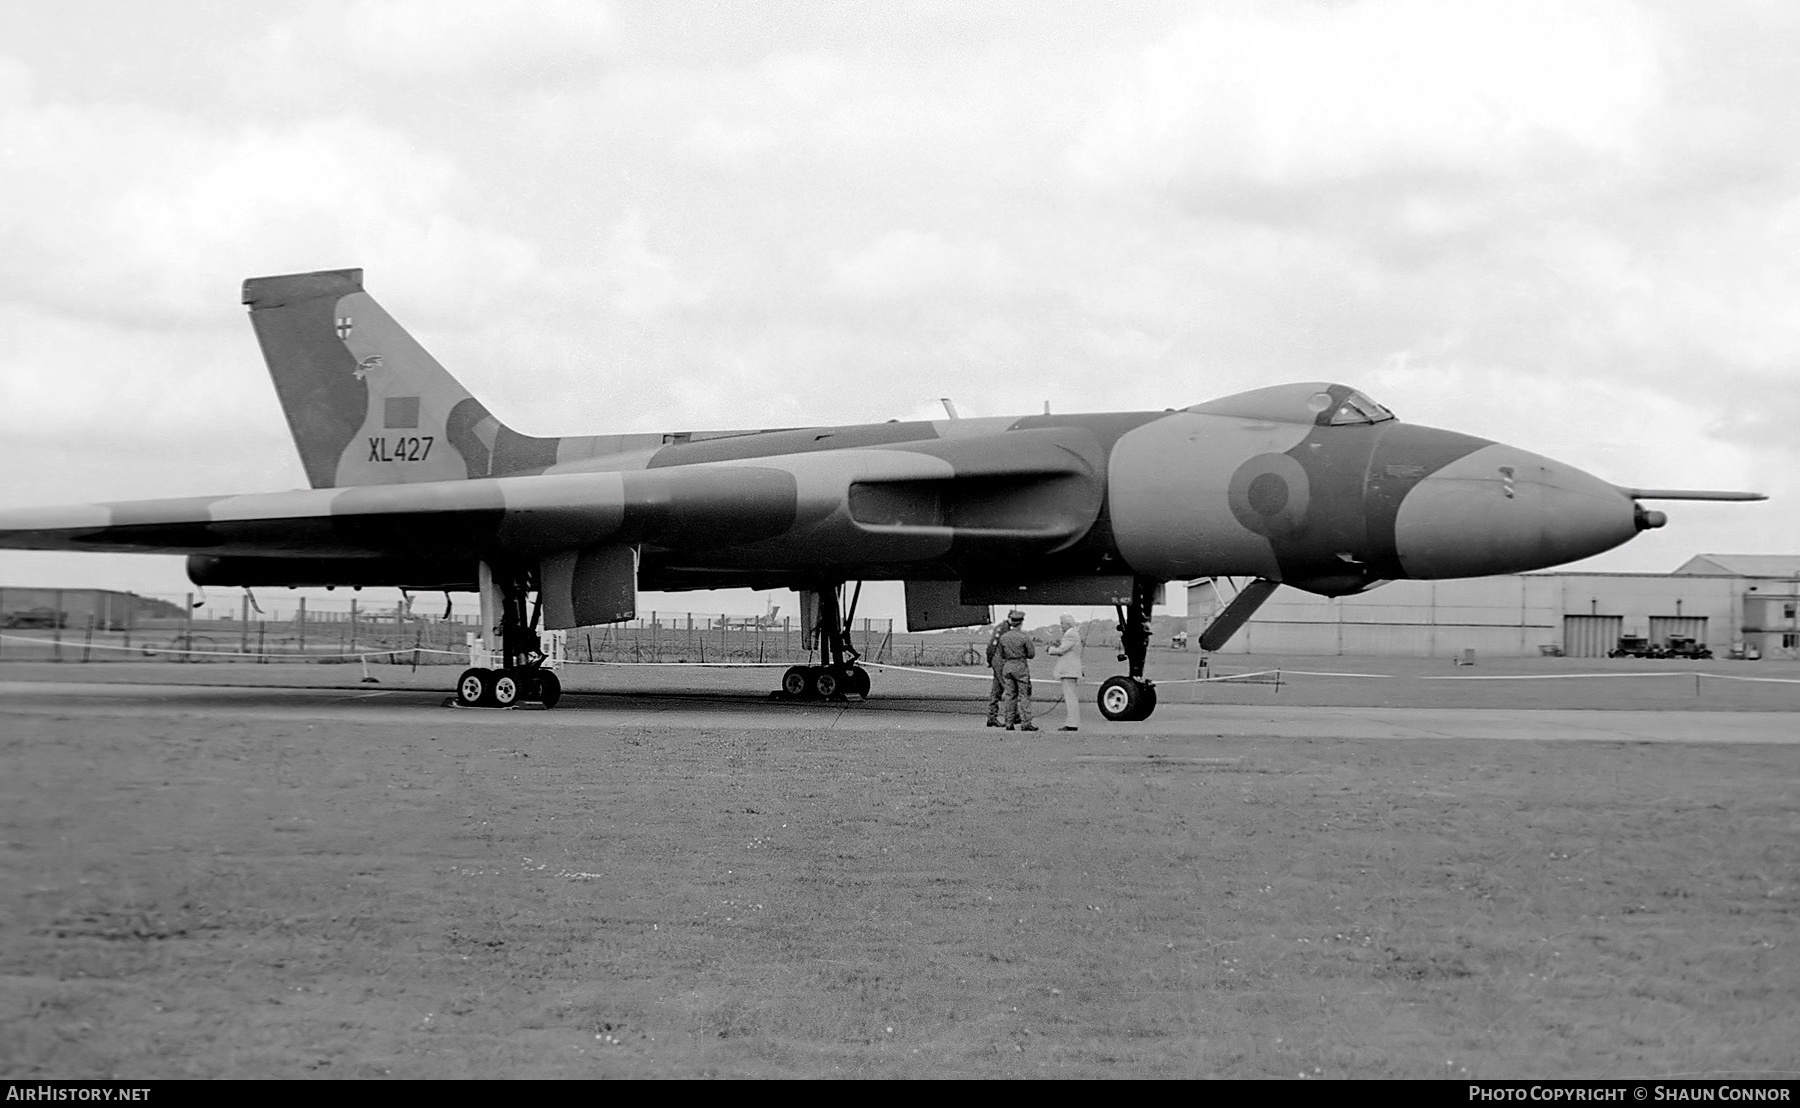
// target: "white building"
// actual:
[[1743, 604]]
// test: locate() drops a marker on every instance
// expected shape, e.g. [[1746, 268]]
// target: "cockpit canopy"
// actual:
[[1317, 402]]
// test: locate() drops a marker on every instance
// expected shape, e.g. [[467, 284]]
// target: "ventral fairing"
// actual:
[[416, 484]]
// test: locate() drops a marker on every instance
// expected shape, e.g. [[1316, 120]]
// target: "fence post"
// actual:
[[244, 625], [187, 629], [130, 620], [262, 628]]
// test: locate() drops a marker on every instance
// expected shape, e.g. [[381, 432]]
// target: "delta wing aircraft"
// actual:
[[415, 484]]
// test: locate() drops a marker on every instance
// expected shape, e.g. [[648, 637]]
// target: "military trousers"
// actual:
[[1015, 703]]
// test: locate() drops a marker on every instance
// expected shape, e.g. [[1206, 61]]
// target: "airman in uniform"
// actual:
[[1014, 651], [998, 688]]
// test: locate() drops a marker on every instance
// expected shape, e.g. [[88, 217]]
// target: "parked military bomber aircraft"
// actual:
[[415, 484]]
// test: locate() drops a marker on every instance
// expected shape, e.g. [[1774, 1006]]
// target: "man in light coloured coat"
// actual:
[[1015, 651], [1068, 671]]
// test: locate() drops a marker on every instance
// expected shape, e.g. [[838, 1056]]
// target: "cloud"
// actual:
[[1564, 223], [135, 213], [642, 281], [906, 262], [1301, 95], [17, 83], [465, 43]]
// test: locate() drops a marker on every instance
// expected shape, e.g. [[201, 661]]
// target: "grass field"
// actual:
[[476, 895]]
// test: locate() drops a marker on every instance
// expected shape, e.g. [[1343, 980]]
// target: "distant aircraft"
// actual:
[[416, 485]]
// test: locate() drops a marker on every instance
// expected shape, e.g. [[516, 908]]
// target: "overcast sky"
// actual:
[[1573, 227]]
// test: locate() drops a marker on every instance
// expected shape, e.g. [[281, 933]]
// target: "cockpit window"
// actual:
[[1358, 408], [1319, 403]]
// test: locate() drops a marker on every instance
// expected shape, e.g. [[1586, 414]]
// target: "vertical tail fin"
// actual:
[[367, 405]]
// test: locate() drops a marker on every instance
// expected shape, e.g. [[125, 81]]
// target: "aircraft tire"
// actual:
[[1126, 699], [472, 687], [506, 688], [797, 682], [859, 682], [549, 688], [827, 683], [1149, 703]]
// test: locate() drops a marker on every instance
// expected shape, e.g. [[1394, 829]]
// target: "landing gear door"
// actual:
[[581, 588], [809, 616], [937, 606]]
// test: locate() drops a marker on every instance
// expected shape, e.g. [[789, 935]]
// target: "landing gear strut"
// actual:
[[1133, 697], [505, 595], [839, 677]]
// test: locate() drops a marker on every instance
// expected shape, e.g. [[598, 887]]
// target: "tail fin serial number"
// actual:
[[407, 448]]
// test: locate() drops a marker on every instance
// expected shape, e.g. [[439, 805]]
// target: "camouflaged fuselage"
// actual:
[[1169, 495]]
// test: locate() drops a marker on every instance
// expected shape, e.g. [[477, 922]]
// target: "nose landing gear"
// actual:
[[1132, 698], [1127, 699]]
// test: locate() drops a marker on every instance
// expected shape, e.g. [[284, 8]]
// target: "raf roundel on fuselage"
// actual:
[[1319, 403]]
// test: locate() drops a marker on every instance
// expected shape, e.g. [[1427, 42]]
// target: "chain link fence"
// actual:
[[90, 625]]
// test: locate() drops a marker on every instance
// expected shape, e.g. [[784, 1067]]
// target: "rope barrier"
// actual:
[[175, 648], [1261, 676], [985, 675], [683, 665]]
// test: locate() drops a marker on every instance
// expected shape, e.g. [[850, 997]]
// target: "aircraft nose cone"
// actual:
[[1503, 510]]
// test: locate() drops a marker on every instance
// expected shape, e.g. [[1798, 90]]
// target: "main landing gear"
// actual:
[[506, 688], [1133, 697], [521, 678], [839, 677]]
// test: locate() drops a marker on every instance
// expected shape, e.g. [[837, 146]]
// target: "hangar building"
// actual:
[[1739, 605]]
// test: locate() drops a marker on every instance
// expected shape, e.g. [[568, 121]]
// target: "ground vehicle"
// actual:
[[1678, 646], [1686, 646]]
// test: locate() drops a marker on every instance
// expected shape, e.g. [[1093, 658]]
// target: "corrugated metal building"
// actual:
[[1711, 598], [1768, 601]]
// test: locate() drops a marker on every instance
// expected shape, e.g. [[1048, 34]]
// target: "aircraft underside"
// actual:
[[512, 609]]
